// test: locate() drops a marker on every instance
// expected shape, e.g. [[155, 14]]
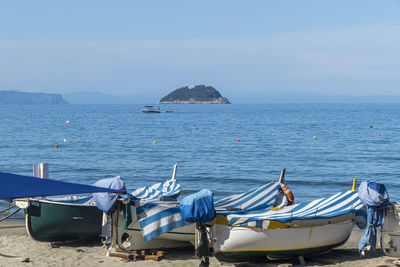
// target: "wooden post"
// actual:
[[282, 178], [174, 172]]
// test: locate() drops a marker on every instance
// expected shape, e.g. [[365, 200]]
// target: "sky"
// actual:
[[154, 47]]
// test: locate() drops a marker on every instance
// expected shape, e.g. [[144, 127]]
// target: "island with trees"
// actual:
[[194, 94]]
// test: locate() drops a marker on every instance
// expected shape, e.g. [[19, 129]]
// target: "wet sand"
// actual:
[[18, 249]]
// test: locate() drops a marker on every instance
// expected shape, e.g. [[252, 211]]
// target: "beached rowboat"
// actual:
[[63, 219], [154, 224], [301, 229]]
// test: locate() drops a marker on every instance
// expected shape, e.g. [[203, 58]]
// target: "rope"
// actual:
[[9, 215], [8, 208]]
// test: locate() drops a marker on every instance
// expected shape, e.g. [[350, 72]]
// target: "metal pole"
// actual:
[[41, 170]]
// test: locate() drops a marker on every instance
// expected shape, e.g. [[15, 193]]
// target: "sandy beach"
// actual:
[[18, 249]]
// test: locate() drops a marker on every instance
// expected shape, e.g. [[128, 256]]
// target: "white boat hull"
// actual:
[[238, 244]]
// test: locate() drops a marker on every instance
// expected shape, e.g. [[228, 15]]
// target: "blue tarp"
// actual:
[[106, 201], [198, 207], [16, 186], [375, 197]]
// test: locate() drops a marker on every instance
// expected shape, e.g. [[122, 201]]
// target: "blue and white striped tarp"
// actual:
[[338, 204], [156, 218], [166, 189], [257, 198], [170, 189]]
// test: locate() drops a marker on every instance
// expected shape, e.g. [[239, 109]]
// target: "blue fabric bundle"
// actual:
[[198, 207], [107, 201], [375, 197]]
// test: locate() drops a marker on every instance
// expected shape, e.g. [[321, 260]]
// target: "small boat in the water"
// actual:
[[150, 109]]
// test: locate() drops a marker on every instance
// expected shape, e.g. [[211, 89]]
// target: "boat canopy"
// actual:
[[257, 198], [328, 207], [168, 188], [17, 186], [158, 217]]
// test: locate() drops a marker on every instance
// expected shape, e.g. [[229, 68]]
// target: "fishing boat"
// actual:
[[297, 230], [48, 219], [77, 217], [155, 224], [63, 219], [150, 109]]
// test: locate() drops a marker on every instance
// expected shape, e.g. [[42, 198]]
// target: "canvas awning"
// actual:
[[17, 186]]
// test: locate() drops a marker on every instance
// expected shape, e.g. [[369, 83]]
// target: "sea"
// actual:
[[224, 148]]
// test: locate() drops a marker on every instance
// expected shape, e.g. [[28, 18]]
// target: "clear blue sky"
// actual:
[[139, 47]]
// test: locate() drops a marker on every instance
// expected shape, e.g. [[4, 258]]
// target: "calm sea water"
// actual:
[[109, 140]]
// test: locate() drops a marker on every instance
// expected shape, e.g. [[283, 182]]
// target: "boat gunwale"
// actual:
[[61, 203]]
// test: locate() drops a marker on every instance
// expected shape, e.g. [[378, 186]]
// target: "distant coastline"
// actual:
[[26, 98], [268, 97]]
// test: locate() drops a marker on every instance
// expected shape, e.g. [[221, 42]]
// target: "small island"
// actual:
[[26, 98], [194, 94]]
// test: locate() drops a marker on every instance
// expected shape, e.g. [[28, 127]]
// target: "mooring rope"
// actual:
[[13, 206], [9, 215]]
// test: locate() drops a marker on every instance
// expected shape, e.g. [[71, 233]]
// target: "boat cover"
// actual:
[[166, 189], [159, 217], [257, 198], [17, 186], [338, 204], [198, 207], [375, 197], [106, 201]]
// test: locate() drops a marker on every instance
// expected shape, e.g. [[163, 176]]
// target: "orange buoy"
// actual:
[[288, 193], [56, 146], [380, 135], [238, 140], [370, 126]]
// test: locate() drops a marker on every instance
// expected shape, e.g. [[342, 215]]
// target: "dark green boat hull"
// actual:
[[51, 222]]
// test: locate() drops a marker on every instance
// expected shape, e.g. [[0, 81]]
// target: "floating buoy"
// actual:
[[56, 146], [154, 142], [68, 122], [380, 135], [314, 137], [370, 126], [238, 140], [65, 140]]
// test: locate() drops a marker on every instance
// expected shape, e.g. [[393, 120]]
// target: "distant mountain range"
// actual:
[[102, 98], [26, 98], [300, 97], [234, 97]]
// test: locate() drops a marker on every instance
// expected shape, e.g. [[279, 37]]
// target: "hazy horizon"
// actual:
[[154, 47]]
